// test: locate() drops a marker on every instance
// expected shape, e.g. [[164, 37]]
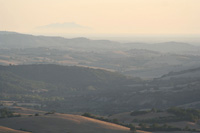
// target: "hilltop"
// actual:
[[46, 122]]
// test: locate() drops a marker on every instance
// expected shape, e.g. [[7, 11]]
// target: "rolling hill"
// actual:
[[64, 88], [17, 40], [68, 75], [132, 59], [9, 130], [60, 123]]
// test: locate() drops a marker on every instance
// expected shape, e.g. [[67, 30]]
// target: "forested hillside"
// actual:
[[51, 86], [80, 89]]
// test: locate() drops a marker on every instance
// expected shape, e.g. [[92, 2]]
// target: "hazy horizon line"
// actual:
[[146, 38]]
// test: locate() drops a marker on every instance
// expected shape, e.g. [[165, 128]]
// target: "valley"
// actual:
[[54, 81]]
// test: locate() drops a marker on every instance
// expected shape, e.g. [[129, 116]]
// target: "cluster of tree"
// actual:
[[142, 112], [157, 127], [143, 126], [185, 114], [50, 112], [22, 129], [116, 121], [164, 127], [135, 113], [180, 114], [31, 98], [6, 113], [159, 120]]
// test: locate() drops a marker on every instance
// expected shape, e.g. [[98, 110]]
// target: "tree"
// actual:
[[36, 114], [115, 121], [154, 126], [154, 110], [87, 114], [143, 125], [186, 128], [132, 128]]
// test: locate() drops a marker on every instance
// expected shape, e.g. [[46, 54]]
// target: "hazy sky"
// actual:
[[101, 16]]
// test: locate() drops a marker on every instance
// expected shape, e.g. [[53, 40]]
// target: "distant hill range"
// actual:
[[17, 40], [133, 59]]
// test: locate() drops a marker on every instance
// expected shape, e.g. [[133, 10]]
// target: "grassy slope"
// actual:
[[9, 130], [59, 123]]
